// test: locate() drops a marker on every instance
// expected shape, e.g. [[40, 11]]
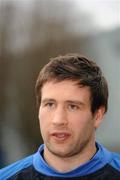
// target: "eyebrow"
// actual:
[[47, 99], [75, 102], [67, 101]]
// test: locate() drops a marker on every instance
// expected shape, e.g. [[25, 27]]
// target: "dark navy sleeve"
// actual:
[[14, 168], [115, 163]]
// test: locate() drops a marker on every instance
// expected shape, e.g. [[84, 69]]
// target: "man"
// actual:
[[72, 96]]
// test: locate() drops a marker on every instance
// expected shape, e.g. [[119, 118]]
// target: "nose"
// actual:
[[60, 117]]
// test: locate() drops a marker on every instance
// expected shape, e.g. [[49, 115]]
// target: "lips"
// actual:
[[60, 136]]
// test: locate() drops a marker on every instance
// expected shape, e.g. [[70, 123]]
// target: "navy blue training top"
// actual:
[[105, 165]]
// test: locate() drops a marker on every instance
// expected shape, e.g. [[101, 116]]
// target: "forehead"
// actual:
[[66, 89]]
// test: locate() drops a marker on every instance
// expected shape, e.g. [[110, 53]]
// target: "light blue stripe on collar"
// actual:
[[100, 159]]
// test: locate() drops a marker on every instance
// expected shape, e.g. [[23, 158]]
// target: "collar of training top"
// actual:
[[99, 160]]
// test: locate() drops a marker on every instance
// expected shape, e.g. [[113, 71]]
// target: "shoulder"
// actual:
[[12, 169], [115, 161]]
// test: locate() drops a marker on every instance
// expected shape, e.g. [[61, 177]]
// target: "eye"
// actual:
[[49, 105], [73, 107]]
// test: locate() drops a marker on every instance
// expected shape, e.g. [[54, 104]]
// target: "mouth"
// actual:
[[60, 136]]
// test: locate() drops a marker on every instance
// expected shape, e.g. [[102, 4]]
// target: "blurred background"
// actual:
[[32, 31]]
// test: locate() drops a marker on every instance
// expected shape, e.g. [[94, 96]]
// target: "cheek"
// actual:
[[43, 118], [83, 123], [43, 124]]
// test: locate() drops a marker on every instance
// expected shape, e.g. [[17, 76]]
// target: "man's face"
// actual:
[[66, 121]]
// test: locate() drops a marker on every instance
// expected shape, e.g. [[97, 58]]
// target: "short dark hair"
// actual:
[[75, 67]]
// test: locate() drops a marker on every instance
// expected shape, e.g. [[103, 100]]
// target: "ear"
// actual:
[[99, 116]]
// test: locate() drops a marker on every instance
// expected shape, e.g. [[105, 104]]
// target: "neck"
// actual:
[[66, 164]]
